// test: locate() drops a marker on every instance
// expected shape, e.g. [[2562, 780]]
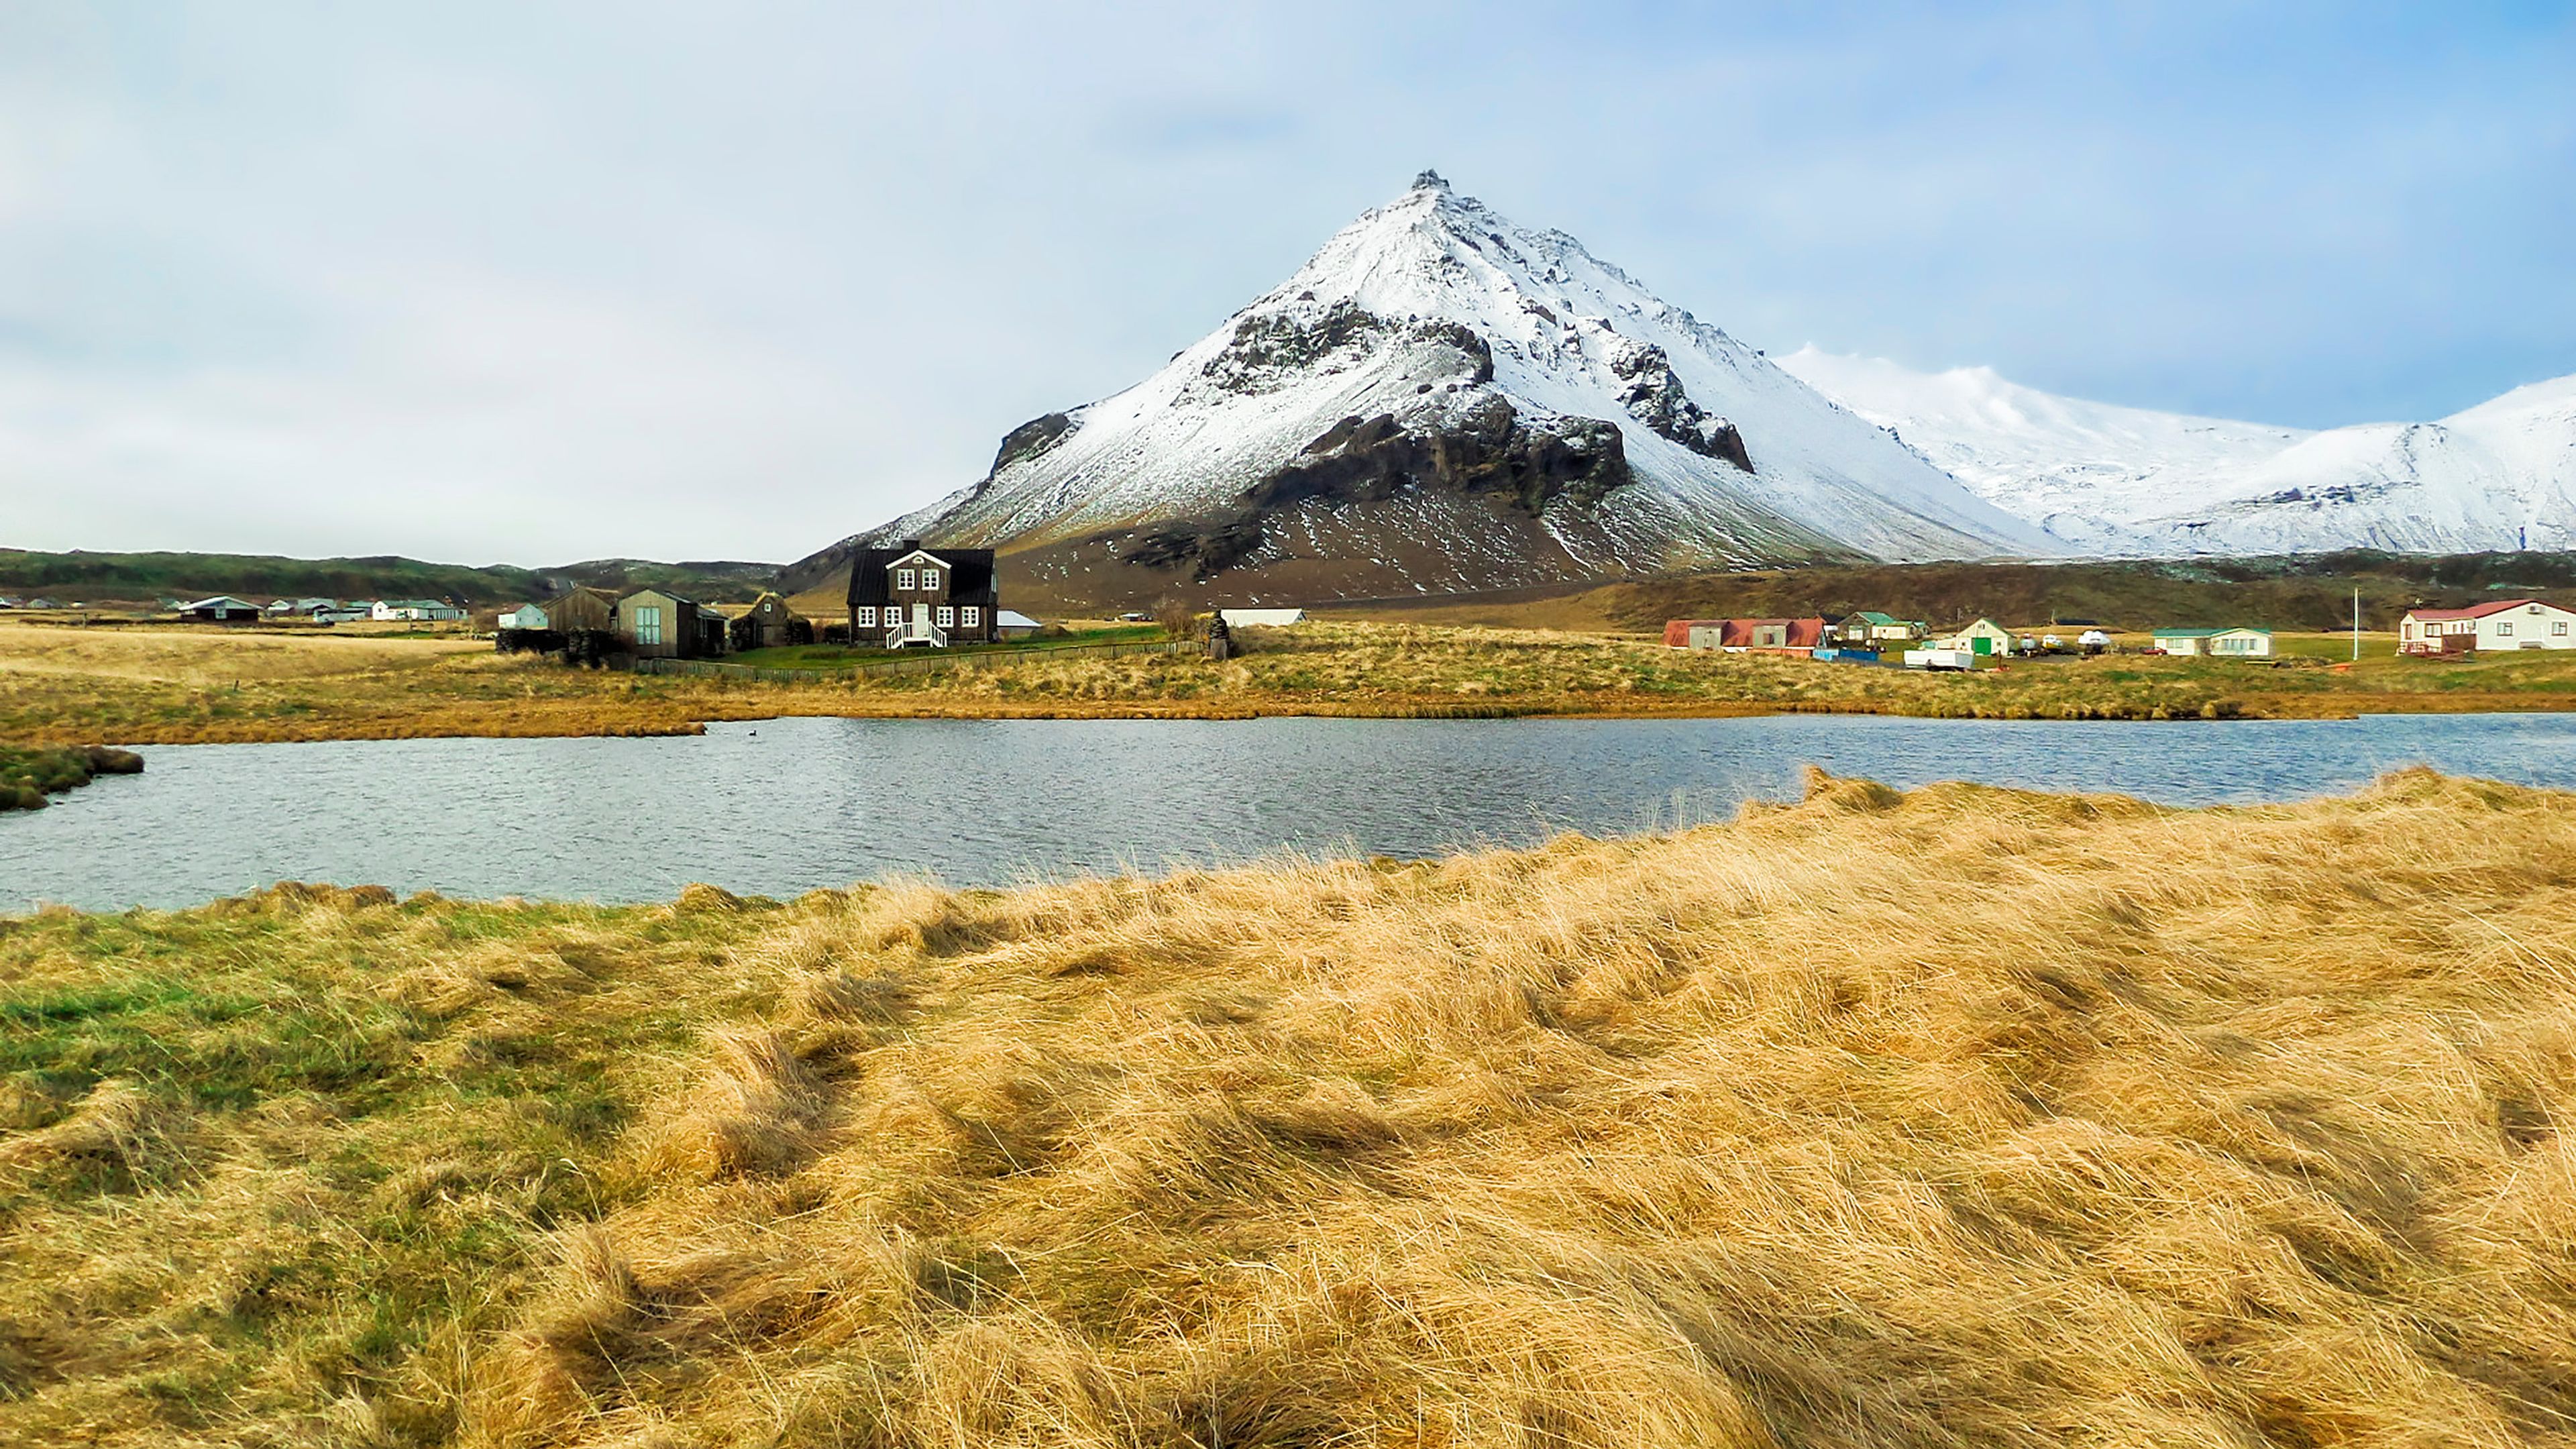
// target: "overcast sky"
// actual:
[[532, 283]]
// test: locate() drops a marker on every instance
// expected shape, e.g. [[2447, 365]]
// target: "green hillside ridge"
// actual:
[[147, 577]]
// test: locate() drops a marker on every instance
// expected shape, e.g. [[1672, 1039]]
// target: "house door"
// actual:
[[1981, 645], [920, 620]]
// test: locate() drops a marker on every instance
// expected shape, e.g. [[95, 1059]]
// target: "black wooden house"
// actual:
[[916, 597]]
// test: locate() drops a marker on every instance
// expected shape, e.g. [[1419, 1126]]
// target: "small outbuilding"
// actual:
[[582, 609], [661, 625], [526, 616], [1012, 624], [415, 611], [1798, 635], [1984, 638], [1266, 618], [221, 609], [768, 623], [1869, 629]]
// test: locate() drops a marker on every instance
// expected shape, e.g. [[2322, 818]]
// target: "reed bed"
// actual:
[[1962, 1116]]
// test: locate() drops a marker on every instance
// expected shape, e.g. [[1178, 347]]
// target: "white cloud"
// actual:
[[536, 282]]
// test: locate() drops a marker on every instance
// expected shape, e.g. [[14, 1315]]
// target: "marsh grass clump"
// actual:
[[1952, 1116], [28, 775]]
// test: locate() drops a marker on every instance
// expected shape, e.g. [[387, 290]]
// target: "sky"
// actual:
[[533, 283]]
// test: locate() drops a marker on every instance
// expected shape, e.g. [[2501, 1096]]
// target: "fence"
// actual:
[[924, 663]]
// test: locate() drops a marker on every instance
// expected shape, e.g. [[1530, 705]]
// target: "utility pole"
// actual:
[[2356, 623]]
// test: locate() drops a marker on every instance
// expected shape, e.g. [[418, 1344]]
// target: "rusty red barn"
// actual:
[[1792, 634]]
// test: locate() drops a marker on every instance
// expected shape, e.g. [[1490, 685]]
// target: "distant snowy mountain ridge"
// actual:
[[2107, 479], [1441, 399]]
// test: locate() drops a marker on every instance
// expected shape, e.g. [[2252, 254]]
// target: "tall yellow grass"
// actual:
[[1954, 1117]]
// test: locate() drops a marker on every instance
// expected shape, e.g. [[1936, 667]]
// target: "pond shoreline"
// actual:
[[778, 806]]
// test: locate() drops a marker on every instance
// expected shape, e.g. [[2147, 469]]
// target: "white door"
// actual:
[[920, 620]]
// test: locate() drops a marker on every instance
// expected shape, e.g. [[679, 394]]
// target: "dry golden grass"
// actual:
[[212, 657], [1958, 1117]]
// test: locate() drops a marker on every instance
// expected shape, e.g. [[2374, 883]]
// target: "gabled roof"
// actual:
[[221, 601], [2210, 633], [970, 572], [2477, 611], [1872, 616]]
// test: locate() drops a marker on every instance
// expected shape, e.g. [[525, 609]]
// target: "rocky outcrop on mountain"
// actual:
[[1655, 397], [1031, 440], [1487, 446]]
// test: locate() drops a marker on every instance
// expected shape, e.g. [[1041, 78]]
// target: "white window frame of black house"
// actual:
[[648, 623], [930, 576], [867, 616], [947, 616], [903, 578], [973, 617]]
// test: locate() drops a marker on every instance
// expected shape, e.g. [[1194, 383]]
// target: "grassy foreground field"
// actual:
[[67, 685], [1957, 1117]]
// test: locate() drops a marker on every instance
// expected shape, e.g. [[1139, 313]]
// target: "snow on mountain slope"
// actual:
[[2130, 480], [1492, 404]]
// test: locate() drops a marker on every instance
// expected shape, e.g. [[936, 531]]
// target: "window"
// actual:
[[973, 618], [867, 616], [2558, 628], [947, 616], [2504, 628], [648, 624], [903, 578]]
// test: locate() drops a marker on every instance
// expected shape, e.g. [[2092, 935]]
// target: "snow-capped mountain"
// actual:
[[1441, 399], [2103, 478]]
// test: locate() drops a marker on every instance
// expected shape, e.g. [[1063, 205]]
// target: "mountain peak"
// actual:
[[1442, 399]]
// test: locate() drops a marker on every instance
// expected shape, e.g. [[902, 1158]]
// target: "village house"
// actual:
[[1983, 638], [1799, 635], [526, 616], [2238, 642], [221, 609], [1870, 629], [2503, 624], [661, 625], [913, 596], [1012, 624], [1264, 618]]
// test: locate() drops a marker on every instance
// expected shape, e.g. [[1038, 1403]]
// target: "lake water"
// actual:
[[782, 806]]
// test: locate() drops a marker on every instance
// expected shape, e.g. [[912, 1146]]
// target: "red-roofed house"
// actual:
[[2504, 624]]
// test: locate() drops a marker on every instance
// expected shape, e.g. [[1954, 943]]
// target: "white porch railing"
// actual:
[[912, 632]]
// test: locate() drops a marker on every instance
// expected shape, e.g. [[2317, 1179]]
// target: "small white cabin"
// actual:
[[526, 616], [2233, 643]]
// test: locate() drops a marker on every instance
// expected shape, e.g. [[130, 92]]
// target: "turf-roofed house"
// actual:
[[916, 597]]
